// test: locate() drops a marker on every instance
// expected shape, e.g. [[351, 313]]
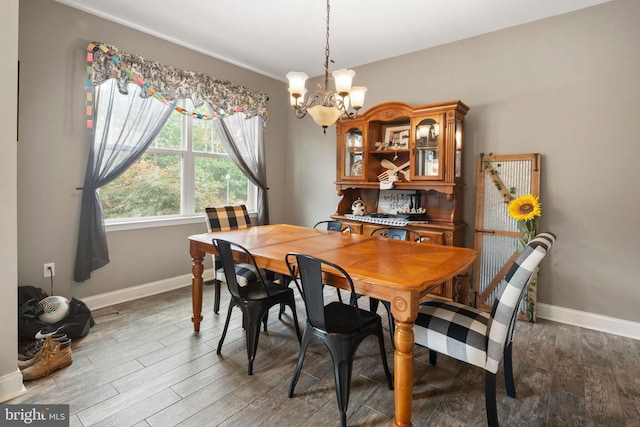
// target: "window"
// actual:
[[184, 170]]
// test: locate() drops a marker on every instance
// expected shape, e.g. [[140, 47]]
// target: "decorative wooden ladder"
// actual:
[[501, 178]]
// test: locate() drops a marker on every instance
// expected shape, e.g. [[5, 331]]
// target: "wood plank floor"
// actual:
[[142, 365]]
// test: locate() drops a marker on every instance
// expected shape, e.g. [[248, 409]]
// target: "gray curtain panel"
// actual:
[[125, 125], [242, 139]]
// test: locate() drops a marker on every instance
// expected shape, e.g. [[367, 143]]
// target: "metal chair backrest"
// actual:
[[223, 248], [397, 234], [335, 226], [307, 270]]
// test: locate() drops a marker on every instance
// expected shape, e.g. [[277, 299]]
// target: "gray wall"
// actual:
[[53, 151], [564, 87]]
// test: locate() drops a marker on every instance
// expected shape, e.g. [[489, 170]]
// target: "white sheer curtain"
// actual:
[[125, 126], [242, 138]]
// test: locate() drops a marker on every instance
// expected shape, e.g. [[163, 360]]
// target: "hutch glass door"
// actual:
[[428, 153], [354, 153]]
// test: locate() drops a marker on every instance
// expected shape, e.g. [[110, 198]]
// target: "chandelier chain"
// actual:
[[327, 52]]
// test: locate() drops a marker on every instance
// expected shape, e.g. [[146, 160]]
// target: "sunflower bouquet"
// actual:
[[525, 209]]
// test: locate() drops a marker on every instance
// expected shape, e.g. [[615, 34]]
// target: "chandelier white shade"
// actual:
[[342, 79], [326, 107]]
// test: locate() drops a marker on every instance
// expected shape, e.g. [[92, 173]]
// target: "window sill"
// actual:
[[136, 224]]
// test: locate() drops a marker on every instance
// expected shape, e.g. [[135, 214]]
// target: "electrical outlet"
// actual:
[[50, 269]]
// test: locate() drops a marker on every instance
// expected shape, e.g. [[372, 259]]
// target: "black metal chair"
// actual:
[[477, 337], [341, 327], [335, 226], [254, 300], [223, 218], [397, 233]]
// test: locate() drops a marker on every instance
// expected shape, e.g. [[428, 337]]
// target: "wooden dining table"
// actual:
[[401, 272]]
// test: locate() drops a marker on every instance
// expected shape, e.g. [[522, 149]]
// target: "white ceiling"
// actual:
[[273, 37]]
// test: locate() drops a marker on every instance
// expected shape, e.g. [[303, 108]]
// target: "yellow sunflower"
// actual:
[[524, 208]]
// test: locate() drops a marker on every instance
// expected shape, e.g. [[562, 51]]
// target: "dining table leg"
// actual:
[[196, 286], [403, 373]]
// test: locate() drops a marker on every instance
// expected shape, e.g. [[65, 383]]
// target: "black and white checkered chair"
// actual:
[[481, 338], [225, 218]]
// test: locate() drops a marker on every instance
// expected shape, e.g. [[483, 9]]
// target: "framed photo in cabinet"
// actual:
[[397, 136], [427, 133]]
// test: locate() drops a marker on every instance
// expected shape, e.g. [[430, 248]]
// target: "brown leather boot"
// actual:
[[29, 357], [53, 356]]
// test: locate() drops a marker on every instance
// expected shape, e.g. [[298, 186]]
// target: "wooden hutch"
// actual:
[[428, 140]]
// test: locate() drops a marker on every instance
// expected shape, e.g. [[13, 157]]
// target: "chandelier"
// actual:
[[326, 107]]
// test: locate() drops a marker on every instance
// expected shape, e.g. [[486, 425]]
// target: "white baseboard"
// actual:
[[597, 322], [11, 386], [128, 294], [569, 316]]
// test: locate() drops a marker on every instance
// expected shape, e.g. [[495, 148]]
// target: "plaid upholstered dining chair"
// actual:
[[479, 338], [225, 218]]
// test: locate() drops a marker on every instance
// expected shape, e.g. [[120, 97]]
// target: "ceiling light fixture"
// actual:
[[326, 107]]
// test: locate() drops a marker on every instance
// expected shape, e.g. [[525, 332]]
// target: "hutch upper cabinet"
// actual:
[[426, 143]]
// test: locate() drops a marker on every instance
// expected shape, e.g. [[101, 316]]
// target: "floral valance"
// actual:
[[168, 84]]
